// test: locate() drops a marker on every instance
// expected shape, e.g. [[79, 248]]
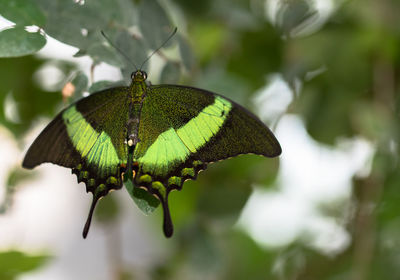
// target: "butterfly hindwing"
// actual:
[[88, 136]]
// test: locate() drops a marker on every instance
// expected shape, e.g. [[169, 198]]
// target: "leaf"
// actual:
[[154, 23], [293, 15], [100, 85], [80, 53], [19, 42], [208, 38], [196, 8], [73, 23], [186, 53], [107, 210], [70, 22], [14, 263], [99, 52], [63, 23], [29, 100], [221, 81], [224, 200], [127, 12], [135, 49], [22, 12], [145, 201], [257, 263], [170, 73], [17, 175], [266, 49], [204, 255]]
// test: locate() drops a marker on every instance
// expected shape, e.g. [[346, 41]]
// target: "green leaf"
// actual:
[[100, 85], [266, 49], [204, 255], [22, 12], [73, 23], [14, 263], [134, 48], [80, 53], [208, 38], [223, 200], [99, 52], [196, 8], [19, 42], [258, 263], [154, 23], [221, 81], [145, 201], [127, 12], [170, 73], [186, 53], [17, 175], [107, 210], [293, 14], [29, 100], [64, 22]]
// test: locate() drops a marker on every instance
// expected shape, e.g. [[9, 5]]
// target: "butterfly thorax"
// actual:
[[138, 86]]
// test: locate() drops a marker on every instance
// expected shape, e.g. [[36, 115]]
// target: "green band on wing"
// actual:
[[166, 149], [96, 147], [201, 128], [174, 146]]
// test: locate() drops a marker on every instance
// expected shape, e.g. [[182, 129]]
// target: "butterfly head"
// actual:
[[139, 76]]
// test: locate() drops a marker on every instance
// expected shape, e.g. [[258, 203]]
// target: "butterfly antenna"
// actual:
[[162, 45], [118, 49]]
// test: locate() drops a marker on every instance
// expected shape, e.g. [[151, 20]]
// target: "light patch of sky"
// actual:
[[272, 100], [10, 109], [49, 77]]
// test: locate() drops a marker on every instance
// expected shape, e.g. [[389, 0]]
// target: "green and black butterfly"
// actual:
[[158, 136]]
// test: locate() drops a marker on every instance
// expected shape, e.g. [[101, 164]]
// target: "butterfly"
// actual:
[[154, 136]]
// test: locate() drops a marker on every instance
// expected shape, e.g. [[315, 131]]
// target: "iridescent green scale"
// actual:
[[162, 135]]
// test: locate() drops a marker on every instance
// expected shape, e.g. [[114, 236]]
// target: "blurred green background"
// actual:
[[324, 75]]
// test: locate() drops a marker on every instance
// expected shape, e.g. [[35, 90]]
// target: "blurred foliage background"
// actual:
[[340, 61]]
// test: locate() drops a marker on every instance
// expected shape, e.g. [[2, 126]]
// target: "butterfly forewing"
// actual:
[[88, 136], [80, 129]]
